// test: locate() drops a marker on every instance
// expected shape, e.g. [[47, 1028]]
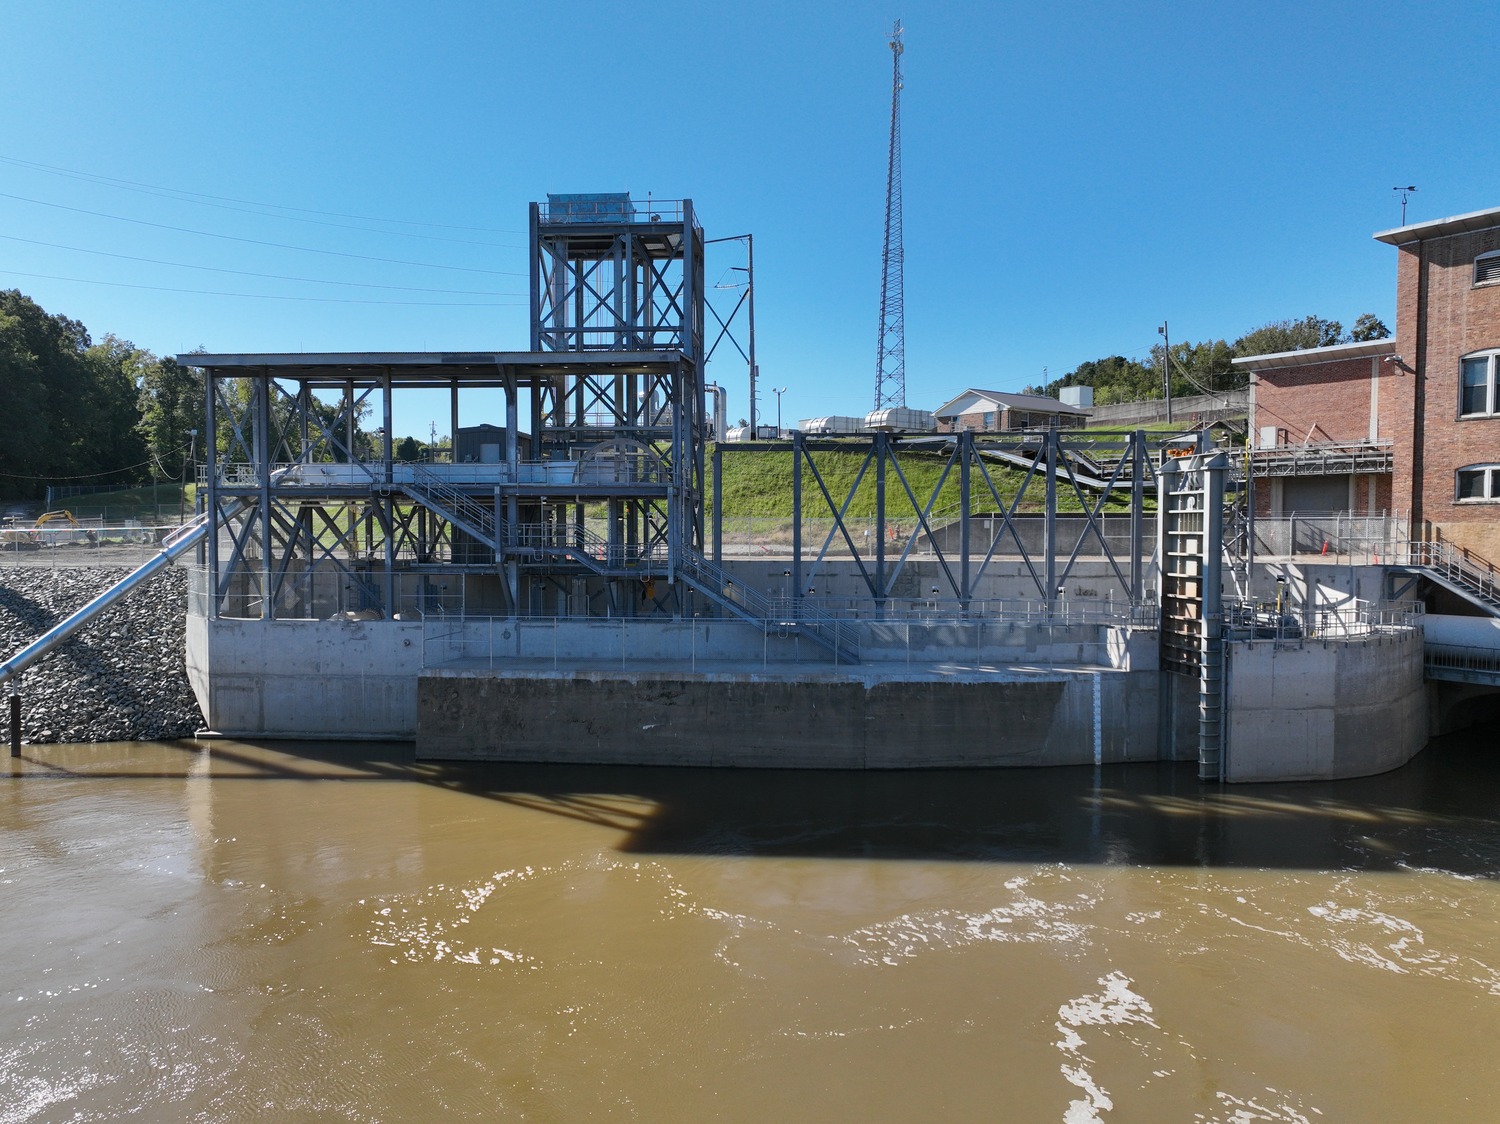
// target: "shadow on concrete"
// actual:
[[1441, 811]]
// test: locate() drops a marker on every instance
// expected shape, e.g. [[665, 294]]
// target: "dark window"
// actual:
[[1477, 386], [1478, 482]]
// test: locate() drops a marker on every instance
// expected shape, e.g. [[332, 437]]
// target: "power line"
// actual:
[[258, 241], [249, 210], [262, 296], [248, 273], [111, 181], [93, 475]]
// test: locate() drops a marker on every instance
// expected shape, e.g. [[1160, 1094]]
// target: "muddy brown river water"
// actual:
[[218, 931]]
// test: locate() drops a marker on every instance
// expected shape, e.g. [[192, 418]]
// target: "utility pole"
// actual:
[[890, 356], [1166, 366], [750, 301]]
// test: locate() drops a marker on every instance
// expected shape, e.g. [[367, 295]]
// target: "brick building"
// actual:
[[1410, 425], [999, 411]]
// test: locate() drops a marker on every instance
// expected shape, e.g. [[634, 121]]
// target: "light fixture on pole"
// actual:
[[778, 391]]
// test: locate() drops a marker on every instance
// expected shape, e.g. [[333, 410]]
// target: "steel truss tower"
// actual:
[[580, 479], [890, 355]]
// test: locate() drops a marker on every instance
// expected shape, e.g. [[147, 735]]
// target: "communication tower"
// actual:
[[890, 356]]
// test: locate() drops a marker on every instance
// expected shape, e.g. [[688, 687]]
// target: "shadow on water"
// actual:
[[1440, 811]]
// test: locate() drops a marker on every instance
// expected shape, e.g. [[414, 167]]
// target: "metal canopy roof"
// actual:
[[1307, 356], [1438, 228], [415, 367]]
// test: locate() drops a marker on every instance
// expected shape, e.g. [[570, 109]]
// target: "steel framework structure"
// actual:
[[594, 483], [1100, 472]]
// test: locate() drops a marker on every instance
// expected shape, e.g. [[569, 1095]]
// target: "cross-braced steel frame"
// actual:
[[997, 484], [597, 477]]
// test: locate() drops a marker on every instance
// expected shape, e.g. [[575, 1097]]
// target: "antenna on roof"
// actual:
[[1405, 191]]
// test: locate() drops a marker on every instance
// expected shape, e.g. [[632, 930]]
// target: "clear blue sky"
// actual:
[[1075, 173]]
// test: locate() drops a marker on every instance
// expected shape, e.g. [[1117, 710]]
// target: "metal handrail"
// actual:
[[1460, 567], [480, 518], [583, 544], [778, 613]]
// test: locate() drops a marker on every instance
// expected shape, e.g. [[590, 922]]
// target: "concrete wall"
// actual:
[[1090, 580], [1320, 712], [313, 679], [829, 721], [631, 642]]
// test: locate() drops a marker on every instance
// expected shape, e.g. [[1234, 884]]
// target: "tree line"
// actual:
[[1207, 367], [82, 412], [108, 413]]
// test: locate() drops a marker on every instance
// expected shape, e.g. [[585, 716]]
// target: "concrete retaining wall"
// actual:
[[630, 642], [306, 679], [1320, 712], [809, 721]]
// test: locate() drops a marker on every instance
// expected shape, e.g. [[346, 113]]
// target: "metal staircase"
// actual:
[[1465, 574], [460, 509], [783, 616], [588, 548]]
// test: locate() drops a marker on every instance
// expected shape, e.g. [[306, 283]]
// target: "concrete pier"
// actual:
[[1323, 711]]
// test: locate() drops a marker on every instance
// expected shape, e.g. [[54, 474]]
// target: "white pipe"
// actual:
[[173, 546]]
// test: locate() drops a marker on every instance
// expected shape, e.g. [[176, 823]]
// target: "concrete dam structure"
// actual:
[[558, 588]]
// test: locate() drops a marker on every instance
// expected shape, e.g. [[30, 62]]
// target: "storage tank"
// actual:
[[898, 419], [832, 424], [737, 433]]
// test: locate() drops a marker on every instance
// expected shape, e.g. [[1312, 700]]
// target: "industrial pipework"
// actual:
[[173, 546]]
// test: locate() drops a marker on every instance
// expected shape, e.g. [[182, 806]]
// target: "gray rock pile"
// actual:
[[120, 678]]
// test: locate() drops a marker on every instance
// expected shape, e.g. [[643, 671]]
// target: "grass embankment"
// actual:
[[758, 483], [154, 505]]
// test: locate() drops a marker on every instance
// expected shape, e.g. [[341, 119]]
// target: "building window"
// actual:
[[1487, 268], [1478, 483], [1477, 397]]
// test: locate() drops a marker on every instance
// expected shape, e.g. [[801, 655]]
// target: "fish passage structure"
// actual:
[[557, 586]]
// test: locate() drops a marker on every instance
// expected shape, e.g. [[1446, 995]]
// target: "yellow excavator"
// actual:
[[39, 533]]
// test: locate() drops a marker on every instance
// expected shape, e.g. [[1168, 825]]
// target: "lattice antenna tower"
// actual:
[[890, 359]]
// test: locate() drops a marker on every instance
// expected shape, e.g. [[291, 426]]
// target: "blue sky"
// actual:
[[1074, 173]]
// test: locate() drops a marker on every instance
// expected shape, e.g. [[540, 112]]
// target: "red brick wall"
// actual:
[[1320, 403], [1459, 319]]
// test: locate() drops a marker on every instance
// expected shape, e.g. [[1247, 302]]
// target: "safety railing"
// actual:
[[1465, 661], [93, 543], [1336, 536], [1354, 620], [1017, 610], [1461, 568], [436, 491], [780, 613], [584, 545]]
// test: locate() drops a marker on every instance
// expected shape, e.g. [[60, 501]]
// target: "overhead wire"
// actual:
[[112, 181], [94, 475], [249, 273], [261, 296], [259, 241]]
